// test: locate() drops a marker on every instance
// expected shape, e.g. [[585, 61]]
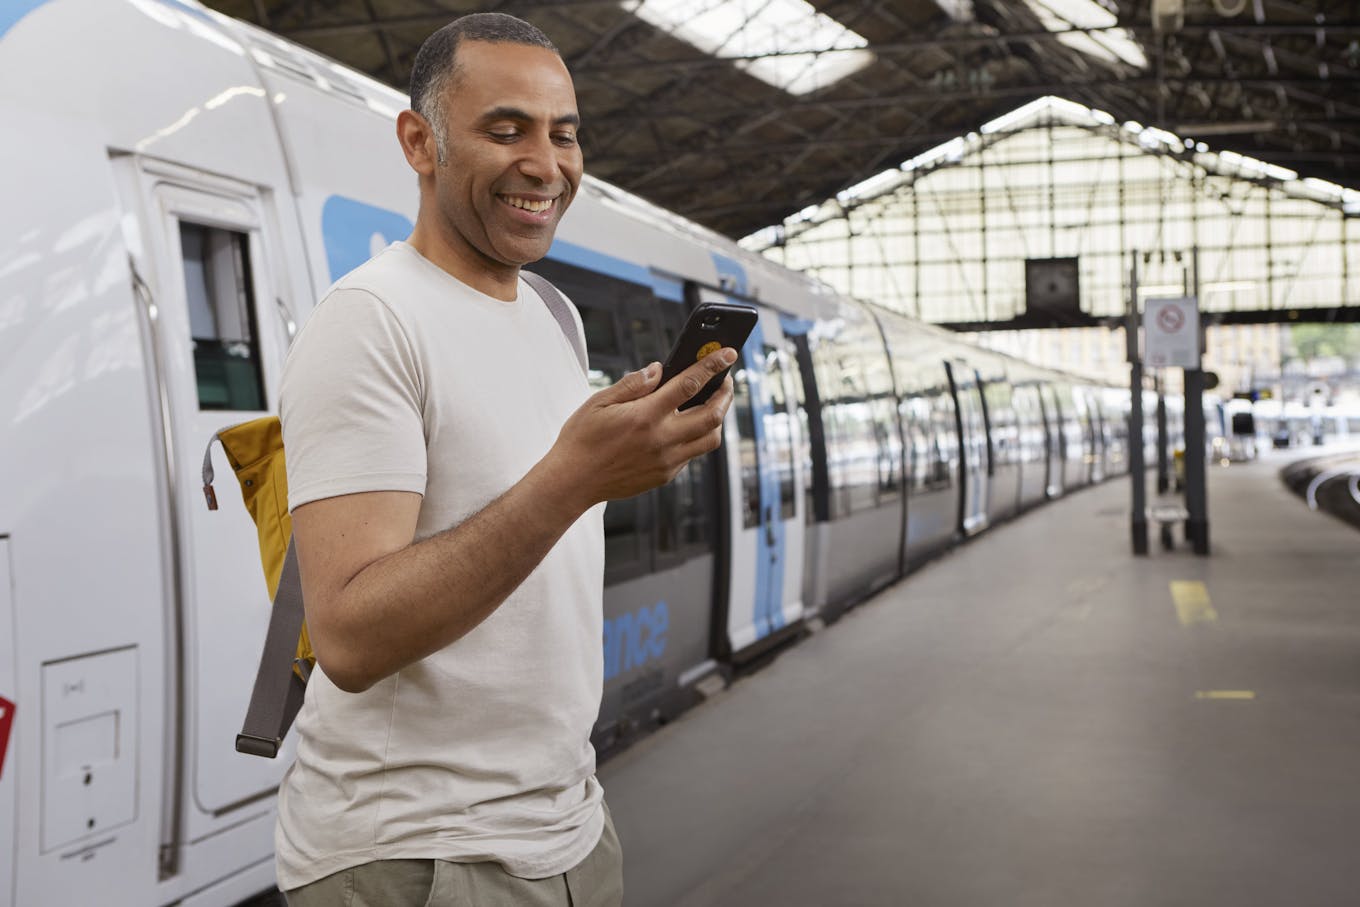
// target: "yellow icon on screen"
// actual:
[[711, 347]]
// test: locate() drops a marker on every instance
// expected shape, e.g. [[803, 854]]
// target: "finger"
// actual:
[[698, 447], [700, 420], [631, 386], [692, 380]]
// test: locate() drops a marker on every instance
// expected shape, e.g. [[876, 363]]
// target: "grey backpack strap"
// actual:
[[277, 696], [558, 306]]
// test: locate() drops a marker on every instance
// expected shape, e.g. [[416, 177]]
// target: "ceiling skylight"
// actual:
[[1115, 45], [813, 50]]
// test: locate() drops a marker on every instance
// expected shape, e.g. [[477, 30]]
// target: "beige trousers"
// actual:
[[596, 882]]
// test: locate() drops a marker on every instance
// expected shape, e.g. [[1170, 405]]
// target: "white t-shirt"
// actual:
[[406, 379]]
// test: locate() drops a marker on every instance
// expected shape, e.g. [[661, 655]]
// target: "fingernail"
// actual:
[[650, 371], [729, 356]]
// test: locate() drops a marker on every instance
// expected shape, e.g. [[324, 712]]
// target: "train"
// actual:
[[179, 188]]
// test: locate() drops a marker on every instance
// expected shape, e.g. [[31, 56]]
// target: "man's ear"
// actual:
[[417, 142]]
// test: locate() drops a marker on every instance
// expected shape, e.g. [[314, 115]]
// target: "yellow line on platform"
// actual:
[[1225, 694], [1192, 602]]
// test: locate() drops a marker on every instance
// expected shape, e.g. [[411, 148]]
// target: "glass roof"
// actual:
[[1114, 45], [785, 43]]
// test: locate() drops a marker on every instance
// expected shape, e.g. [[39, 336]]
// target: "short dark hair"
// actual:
[[436, 62]]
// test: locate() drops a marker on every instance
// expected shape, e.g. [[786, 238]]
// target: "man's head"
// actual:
[[436, 64], [492, 134]]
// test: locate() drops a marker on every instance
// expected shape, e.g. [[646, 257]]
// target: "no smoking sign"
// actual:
[[1170, 319], [1171, 330]]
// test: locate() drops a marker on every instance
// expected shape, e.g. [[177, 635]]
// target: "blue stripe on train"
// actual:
[[352, 231], [602, 263], [14, 10]]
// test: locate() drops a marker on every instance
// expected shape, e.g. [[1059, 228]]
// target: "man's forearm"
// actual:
[[417, 600]]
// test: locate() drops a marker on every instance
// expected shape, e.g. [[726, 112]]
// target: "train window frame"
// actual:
[[223, 300]]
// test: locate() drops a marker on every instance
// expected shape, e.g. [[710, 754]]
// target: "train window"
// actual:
[[617, 317], [624, 548], [811, 418], [217, 284], [685, 505], [742, 406], [889, 448], [855, 443], [944, 440], [779, 431], [914, 411], [602, 338], [684, 510], [1003, 421]]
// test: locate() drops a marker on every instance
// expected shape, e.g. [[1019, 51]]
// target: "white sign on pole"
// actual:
[[1171, 330]]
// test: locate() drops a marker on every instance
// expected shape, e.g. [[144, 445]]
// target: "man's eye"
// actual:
[[565, 138], [504, 136]]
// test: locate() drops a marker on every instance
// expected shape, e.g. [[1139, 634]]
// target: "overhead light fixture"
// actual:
[[1114, 45], [784, 43]]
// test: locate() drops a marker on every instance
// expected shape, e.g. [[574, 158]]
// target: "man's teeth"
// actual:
[[529, 204]]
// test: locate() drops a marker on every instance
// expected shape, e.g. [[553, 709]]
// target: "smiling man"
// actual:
[[447, 468]]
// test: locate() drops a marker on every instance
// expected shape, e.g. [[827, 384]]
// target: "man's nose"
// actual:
[[539, 160]]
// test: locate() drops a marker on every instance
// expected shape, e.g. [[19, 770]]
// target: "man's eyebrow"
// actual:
[[515, 113]]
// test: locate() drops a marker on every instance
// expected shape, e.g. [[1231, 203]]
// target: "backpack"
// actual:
[[255, 451]]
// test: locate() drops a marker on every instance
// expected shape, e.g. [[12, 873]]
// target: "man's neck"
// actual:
[[491, 278]]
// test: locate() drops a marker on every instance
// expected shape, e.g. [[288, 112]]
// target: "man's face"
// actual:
[[513, 162]]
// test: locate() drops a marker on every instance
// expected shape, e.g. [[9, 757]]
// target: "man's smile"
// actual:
[[536, 207]]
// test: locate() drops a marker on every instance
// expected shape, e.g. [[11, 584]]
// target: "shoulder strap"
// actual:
[[278, 691], [558, 306]]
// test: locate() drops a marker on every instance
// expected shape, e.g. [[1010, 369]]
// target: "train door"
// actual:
[[973, 441], [202, 252], [765, 506]]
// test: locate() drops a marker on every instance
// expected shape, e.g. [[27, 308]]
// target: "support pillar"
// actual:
[[1196, 485], [1138, 526], [1163, 464]]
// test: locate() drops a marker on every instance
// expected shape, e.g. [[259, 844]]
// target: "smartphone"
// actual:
[[712, 326]]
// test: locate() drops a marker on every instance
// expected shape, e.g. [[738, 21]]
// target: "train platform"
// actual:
[[1037, 718]]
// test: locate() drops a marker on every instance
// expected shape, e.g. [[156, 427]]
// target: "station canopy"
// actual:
[[1029, 222], [741, 113]]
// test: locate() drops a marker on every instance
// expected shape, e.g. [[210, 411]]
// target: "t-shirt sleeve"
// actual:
[[351, 403]]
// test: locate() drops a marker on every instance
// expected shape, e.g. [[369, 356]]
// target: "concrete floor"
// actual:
[[1032, 720]]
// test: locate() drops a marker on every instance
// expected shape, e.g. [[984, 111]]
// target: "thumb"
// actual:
[[632, 386]]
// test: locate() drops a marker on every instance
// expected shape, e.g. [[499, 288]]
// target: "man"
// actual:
[[447, 473]]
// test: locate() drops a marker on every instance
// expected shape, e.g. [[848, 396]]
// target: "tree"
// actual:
[[1315, 341]]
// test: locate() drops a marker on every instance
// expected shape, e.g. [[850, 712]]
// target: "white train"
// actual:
[[178, 189]]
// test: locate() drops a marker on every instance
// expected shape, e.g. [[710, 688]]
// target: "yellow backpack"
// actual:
[[255, 451]]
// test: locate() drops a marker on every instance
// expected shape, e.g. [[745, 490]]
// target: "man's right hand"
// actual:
[[631, 437]]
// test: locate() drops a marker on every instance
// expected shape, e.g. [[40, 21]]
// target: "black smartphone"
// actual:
[[712, 326]]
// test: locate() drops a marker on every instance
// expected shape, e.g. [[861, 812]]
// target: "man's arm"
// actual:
[[375, 602]]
